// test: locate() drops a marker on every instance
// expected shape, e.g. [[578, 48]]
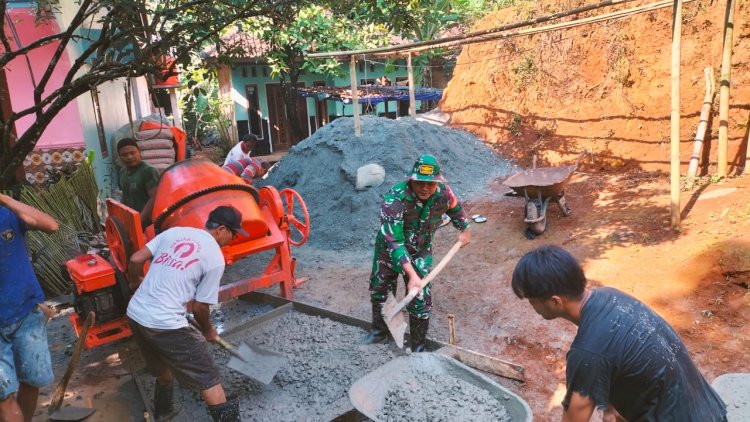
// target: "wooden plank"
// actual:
[[726, 77], [355, 96], [675, 115], [412, 100], [484, 363]]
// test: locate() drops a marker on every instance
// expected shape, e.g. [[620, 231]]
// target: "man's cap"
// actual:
[[426, 169], [229, 217]]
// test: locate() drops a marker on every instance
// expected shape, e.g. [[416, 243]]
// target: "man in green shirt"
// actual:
[[411, 213], [138, 180]]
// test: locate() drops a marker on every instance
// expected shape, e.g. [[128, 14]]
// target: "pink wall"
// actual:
[[65, 129]]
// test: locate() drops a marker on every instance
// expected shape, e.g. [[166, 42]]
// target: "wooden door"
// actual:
[[282, 133], [277, 118]]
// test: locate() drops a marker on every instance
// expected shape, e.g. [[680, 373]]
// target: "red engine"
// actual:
[[96, 287]]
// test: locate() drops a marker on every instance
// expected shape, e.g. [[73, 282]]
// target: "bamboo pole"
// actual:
[[700, 133], [355, 95], [675, 114], [412, 100], [451, 329], [726, 73]]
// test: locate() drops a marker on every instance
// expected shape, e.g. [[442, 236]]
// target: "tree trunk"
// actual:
[[289, 90]]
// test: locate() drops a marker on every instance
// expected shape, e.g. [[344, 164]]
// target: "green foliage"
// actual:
[[525, 71], [516, 123], [311, 28], [204, 112], [618, 61]]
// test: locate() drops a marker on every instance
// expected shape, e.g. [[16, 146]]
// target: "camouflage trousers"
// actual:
[[383, 281]]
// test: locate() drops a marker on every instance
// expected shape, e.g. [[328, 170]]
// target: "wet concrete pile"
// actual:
[[323, 169], [323, 361], [430, 387], [437, 398]]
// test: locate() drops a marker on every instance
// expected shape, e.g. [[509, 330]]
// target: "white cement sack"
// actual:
[[369, 176], [156, 144], [163, 133], [158, 153], [153, 161]]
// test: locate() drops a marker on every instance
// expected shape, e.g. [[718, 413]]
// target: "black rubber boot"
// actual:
[[164, 409], [379, 331], [228, 411], [418, 333]]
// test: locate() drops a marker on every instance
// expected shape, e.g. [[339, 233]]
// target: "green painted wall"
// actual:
[[242, 75]]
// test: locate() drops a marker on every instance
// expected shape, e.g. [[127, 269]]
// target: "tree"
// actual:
[[130, 39], [336, 25], [309, 26]]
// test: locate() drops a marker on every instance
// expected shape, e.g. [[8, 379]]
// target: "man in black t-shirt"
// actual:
[[625, 359]]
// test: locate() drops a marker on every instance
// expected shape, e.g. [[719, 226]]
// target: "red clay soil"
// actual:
[[605, 89]]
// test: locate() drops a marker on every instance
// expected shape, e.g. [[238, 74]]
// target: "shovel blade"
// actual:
[[256, 363], [71, 413], [396, 324]]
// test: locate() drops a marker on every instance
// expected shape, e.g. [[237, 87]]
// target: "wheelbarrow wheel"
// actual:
[[532, 212]]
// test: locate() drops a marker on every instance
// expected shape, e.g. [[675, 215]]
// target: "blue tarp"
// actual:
[[370, 94]]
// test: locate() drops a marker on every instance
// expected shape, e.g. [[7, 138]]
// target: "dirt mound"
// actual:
[[323, 169], [603, 88]]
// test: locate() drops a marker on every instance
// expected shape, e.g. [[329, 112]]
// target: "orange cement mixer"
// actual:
[[187, 192]]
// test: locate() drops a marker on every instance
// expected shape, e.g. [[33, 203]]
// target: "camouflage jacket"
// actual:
[[408, 225]]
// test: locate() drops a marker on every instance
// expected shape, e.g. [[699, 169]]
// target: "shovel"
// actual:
[[392, 315], [71, 413], [249, 360]]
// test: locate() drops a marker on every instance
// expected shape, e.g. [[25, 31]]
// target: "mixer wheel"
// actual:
[[290, 197], [119, 243]]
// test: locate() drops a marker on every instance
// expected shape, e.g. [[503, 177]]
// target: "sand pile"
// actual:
[[323, 169]]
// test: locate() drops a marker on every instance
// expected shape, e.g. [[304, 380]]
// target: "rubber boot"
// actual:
[[418, 333], [379, 331], [164, 409], [228, 411]]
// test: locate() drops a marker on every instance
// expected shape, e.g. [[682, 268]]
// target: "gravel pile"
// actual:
[[323, 169], [440, 399], [323, 361]]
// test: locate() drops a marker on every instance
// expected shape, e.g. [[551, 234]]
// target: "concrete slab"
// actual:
[[734, 389]]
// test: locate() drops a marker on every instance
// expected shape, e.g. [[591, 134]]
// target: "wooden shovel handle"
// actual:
[[220, 341], [432, 274], [443, 262], [59, 394]]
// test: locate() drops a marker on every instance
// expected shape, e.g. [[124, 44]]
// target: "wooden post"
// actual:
[[700, 133], [355, 96], [451, 329], [726, 73], [175, 109], [225, 93], [675, 115], [412, 100]]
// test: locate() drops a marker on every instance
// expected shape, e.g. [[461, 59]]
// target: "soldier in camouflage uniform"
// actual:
[[411, 213]]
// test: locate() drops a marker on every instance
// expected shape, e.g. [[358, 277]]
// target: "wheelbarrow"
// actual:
[[540, 186], [434, 383]]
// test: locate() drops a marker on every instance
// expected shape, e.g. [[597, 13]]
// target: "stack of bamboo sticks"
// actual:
[[73, 202]]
